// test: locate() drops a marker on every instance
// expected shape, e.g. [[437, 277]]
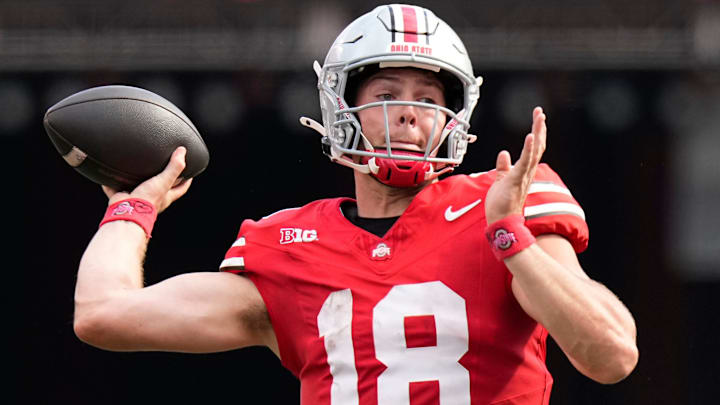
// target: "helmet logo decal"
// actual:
[[422, 50], [342, 107], [407, 24]]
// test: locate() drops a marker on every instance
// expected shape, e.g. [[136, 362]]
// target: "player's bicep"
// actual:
[[193, 312]]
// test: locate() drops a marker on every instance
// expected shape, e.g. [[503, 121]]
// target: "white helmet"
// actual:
[[395, 35]]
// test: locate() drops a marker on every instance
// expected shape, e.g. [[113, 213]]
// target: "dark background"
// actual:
[[626, 87]]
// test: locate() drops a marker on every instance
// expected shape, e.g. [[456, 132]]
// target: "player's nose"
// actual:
[[406, 115]]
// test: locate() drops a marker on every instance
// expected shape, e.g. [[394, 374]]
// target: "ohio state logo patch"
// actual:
[[381, 252]]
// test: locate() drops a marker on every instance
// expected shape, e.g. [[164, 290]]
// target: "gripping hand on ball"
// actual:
[[507, 194], [162, 189]]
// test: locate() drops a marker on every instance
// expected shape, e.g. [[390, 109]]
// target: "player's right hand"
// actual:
[[507, 194], [160, 190]]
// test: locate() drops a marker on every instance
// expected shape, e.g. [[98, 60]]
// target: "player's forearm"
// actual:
[[111, 264], [587, 320]]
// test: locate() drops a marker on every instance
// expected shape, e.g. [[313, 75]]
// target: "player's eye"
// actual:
[[426, 100], [385, 96]]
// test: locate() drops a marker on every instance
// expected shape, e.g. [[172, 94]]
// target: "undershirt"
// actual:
[[376, 226]]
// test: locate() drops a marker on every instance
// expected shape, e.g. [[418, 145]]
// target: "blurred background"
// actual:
[[632, 94]]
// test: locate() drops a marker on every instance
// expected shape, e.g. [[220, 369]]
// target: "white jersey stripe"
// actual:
[[554, 209], [239, 242], [547, 187], [233, 262]]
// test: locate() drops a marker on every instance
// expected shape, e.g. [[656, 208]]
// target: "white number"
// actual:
[[404, 364], [439, 362], [334, 324]]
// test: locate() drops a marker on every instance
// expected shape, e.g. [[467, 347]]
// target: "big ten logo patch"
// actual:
[[292, 235]]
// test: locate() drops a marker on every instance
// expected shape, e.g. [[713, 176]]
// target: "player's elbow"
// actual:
[[86, 327], [617, 364], [91, 326]]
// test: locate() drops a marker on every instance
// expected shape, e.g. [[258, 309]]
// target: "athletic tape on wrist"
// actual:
[[509, 236], [135, 210]]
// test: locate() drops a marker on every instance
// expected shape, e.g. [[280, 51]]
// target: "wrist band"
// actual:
[[509, 236], [134, 210]]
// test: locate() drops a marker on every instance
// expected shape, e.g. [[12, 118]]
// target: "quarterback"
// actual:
[[418, 290]]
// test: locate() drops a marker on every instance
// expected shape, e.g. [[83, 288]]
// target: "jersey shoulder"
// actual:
[[543, 174], [280, 228], [311, 213], [471, 185], [550, 207]]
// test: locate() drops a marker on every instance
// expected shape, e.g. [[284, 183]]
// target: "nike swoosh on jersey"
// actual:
[[451, 215]]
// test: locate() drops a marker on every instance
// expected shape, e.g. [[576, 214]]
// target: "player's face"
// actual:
[[410, 126]]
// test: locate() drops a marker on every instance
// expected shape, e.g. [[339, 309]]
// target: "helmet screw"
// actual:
[[332, 80], [339, 135]]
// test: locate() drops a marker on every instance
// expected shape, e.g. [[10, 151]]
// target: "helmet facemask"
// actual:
[[343, 138]]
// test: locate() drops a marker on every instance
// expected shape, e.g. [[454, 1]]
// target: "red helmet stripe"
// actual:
[[409, 24]]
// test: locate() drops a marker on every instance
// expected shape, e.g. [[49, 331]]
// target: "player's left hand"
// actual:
[[507, 194]]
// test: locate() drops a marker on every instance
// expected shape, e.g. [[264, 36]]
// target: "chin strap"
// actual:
[[312, 124], [398, 173], [402, 173]]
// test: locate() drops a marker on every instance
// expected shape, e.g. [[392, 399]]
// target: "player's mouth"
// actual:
[[402, 148], [402, 163]]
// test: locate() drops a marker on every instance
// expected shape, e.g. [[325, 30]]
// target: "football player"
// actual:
[[418, 290]]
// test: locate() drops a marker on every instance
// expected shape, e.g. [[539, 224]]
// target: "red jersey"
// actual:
[[423, 315]]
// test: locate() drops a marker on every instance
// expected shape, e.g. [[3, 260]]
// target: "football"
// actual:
[[120, 136]]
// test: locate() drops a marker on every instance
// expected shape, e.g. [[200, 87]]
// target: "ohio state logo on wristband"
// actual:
[[128, 207], [509, 236], [134, 210], [503, 239]]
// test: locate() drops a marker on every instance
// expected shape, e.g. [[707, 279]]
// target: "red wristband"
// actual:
[[509, 236], [134, 210]]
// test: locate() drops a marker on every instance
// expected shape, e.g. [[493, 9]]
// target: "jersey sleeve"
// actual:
[[258, 255], [234, 261], [551, 208], [249, 256]]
